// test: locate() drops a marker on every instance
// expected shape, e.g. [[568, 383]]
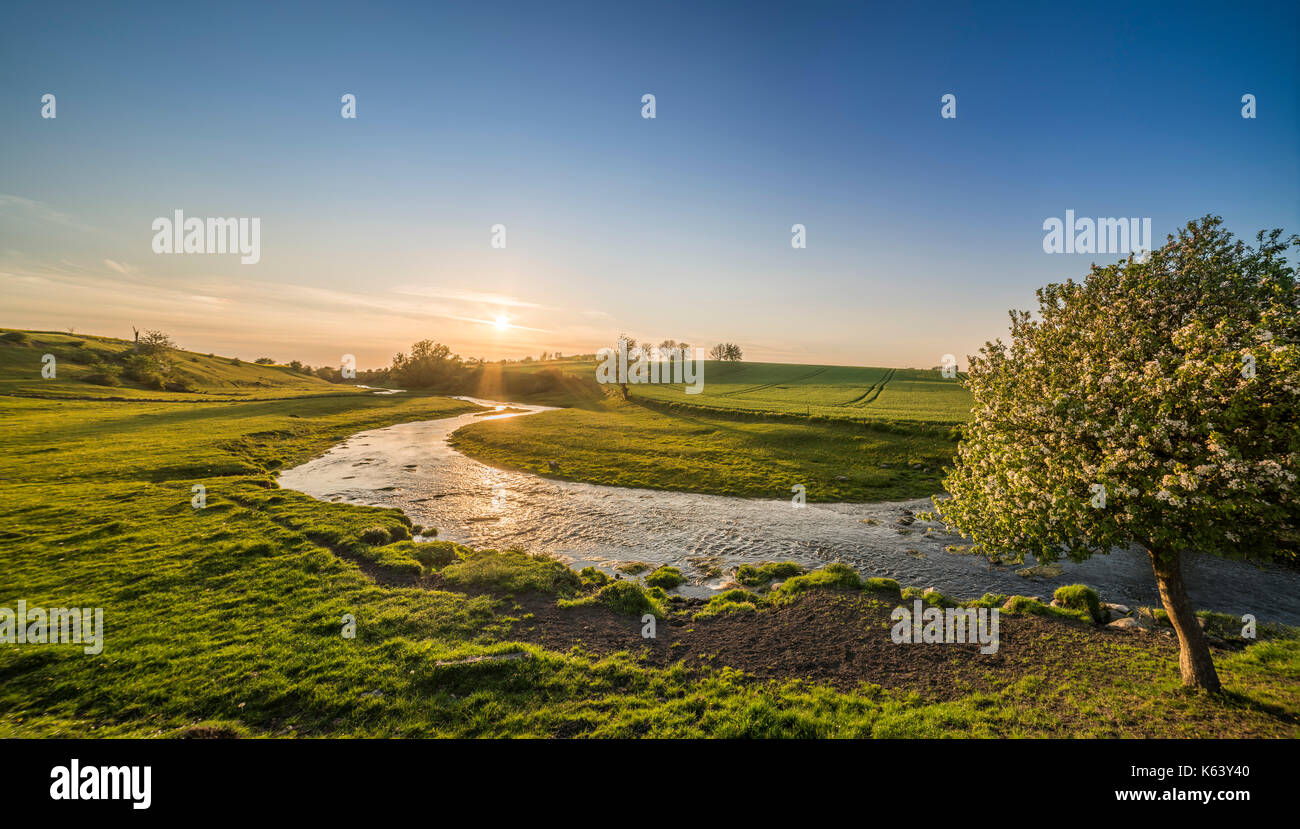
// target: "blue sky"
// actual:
[[922, 231]]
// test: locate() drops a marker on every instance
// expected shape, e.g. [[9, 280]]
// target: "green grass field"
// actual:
[[825, 392]]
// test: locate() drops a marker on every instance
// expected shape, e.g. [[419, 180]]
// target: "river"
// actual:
[[411, 467]]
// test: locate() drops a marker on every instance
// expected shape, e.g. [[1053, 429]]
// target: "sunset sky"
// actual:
[[375, 232]]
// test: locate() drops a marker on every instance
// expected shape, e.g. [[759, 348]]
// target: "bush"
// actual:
[[1080, 597], [103, 374], [14, 337], [665, 577], [591, 577]]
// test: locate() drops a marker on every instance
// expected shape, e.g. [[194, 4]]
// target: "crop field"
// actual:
[[831, 392]]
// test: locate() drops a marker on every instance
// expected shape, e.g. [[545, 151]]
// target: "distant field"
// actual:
[[209, 377], [833, 392]]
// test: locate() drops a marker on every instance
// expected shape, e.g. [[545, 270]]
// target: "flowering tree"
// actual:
[[1157, 404]]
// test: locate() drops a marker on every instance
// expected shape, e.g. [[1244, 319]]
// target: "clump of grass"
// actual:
[[513, 571], [729, 601], [752, 576], [666, 577], [632, 568], [591, 577], [432, 555], [989, 600], [836, 576], [625, 597], [1024, 604], [1080, 597], [882, 585], [384, 534]]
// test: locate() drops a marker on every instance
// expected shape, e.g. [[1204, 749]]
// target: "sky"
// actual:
[[376, 231]]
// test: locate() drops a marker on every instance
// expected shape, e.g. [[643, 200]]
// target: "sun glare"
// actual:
[[502, 323]]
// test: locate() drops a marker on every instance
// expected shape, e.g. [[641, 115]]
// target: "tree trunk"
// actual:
[[1194, 660]]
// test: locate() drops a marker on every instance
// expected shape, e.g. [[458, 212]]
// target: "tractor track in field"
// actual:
[[873, 391]]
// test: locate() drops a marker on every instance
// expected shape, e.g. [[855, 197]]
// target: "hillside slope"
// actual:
[[80, 362]]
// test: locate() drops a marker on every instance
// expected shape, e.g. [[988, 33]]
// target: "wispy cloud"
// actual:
[[17, 208]]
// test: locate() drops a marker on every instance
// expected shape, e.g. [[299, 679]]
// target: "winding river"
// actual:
[[411, 467]]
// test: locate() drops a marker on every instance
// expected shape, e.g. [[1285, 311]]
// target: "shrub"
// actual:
[[592, 577], [103, 374], [665, 577], [14, 336], [1080, 597]]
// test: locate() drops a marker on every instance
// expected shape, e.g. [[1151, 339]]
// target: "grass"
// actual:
[[625, 444], [230, 619], [76, 355], [825, 392]]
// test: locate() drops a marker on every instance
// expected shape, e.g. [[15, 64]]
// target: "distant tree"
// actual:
[[296, 365], [155, 344], [430, 365], [725, 351], [264, 361], [1154, 404]]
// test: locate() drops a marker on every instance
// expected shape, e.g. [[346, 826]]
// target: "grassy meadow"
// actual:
[[228, 620], [824, 392], [845, 433]]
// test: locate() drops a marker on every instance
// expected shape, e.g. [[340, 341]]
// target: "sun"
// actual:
[[502, 323]]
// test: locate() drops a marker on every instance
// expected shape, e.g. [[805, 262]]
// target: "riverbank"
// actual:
[[229, 619]]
